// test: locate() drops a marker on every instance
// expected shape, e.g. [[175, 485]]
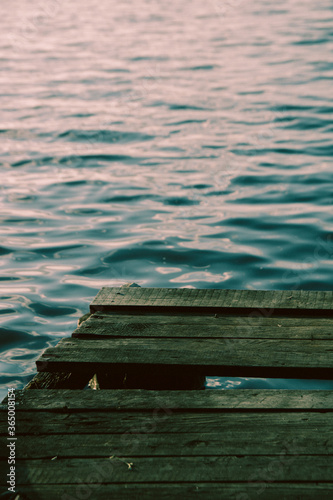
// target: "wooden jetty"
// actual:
[[149, 431]]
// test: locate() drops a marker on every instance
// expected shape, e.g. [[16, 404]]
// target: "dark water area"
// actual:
[[174, 144]]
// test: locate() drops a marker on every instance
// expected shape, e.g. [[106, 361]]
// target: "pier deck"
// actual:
[[145, 434]]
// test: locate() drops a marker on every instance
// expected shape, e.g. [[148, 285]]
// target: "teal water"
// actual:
[[179, 144]]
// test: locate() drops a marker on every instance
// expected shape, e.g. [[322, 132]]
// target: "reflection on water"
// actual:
[[167, 143]]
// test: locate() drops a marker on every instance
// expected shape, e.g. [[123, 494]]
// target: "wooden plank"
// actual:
[[127, 469], [119, 400], [210, 319], [183, 491], [151, 298], [164, 420], [110, 325], [240, 442], [218, 357]]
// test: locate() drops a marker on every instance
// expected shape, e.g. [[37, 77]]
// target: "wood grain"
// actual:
[[174, 469], [174, 298], [183, 491], [110, 325], [165, 420], [120, 400], [241, 441], [219, 357]]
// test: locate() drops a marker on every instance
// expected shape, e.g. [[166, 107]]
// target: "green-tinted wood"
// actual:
[[183, 491], [164, 420], [238, 357], [270, 301], [110, 325], [253, 320], [169, 443], [119, 400], [241, 441], [174, 469]]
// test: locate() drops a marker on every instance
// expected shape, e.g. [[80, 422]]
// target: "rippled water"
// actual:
[[168, 143]]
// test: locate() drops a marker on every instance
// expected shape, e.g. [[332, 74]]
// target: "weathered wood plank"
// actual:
[[174, 469], [238, 357], [183, 491], [252, 320], [240, 442], [110, 325], [164, 420], [111, 298], [119, 400]]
